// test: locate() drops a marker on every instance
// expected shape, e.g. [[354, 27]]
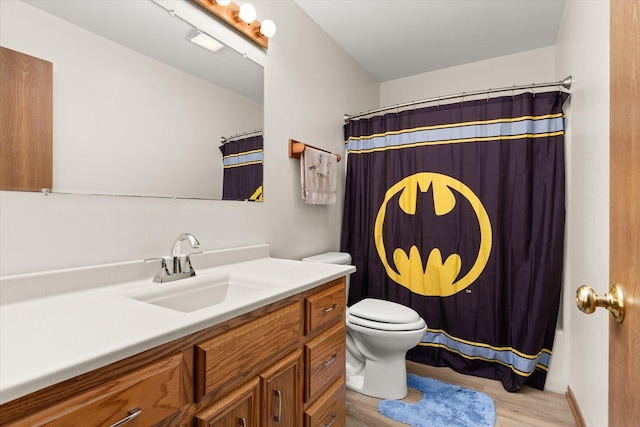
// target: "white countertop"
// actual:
[[49, 339]]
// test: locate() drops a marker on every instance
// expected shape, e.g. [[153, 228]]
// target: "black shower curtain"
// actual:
[[243, 167], [458, 212]]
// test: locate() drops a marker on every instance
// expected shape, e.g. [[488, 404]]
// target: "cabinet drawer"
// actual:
[[225, 361], [240, 407], [330, 409], [153, 390], [324, 361], [325, 307]]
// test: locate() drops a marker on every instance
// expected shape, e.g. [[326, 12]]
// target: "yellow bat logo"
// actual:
[[439, 277]]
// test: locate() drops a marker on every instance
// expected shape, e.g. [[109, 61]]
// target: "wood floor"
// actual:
[[527, 407]]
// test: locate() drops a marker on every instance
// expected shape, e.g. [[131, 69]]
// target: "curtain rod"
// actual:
[[224, 140], [566, 83]]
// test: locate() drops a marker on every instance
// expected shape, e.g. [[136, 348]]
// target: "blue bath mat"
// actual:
[[442, 405]]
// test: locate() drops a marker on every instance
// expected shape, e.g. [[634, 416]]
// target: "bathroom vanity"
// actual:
[[272, 357]]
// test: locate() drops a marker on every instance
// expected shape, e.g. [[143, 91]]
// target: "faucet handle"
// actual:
[[187, 261], [193, 253], [164, 271]]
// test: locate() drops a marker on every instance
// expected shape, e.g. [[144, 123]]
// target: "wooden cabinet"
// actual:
[[325, 358], [26, 122], [281, 388], [330, 409], [239, 408], [271, 399], [279, 365], [242, 352], [325, 361], [150, 395]]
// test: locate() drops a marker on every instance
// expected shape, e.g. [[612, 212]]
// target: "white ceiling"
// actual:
[[398, 38]]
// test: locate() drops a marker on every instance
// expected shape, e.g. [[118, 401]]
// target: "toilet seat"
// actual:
[[384, 315], [385, 326]]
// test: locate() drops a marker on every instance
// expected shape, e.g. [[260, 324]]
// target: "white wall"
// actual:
[[123, 122], [582, 49], [537, 66], [310, 83], [518, 69]]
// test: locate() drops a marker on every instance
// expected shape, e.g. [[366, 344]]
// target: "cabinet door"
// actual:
[[282, 393], [26, 122], [240, 408], [147, 396]]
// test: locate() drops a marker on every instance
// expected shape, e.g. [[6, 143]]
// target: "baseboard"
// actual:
[[575, 409]]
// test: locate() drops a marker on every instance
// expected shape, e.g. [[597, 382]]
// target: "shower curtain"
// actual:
[[242, 174], [458, 212]]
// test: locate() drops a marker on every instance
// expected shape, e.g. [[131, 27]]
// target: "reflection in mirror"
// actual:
[[243, 159], [138, 109]]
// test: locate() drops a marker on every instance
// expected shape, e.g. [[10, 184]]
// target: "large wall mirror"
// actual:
[[138, 108]]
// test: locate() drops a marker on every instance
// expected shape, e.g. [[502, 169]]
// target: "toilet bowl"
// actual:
[[379, 334]]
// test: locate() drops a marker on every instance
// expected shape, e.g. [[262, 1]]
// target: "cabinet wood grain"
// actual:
[[326, 307], [238, 408], [155, 390], [329, 409], [26, 122], [224, 361], [325, 360], [281, 387]]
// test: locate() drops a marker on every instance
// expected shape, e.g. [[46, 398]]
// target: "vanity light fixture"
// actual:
[[240, 18], [247, 13], [204, 40]]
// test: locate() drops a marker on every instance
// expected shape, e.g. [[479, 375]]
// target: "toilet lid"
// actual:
[[378, 310], [384, 326]]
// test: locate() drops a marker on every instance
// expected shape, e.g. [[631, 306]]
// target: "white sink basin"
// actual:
[[196, 293]]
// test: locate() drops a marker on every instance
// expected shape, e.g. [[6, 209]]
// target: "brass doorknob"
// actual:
[[587, 301]]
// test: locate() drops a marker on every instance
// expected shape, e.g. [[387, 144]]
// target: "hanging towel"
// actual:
[[318, 172]]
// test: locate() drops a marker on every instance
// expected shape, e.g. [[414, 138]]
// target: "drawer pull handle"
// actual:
[[334, 357], [334, 417], [243, 422], [132, 414], [278, 415], [328, 309]]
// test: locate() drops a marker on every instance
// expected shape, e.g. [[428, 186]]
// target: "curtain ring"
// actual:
[[462, 99], [438, 105], [513, 92], [533, 90], [488, 92]]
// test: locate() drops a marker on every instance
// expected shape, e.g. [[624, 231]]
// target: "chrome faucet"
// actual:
[[181, 269], [175, 252]]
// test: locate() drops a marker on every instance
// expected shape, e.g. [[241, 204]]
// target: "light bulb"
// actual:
[[268, 28], [223, 2], [247, 13]]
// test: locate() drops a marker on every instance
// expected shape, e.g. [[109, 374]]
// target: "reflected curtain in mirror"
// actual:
[[457, 211], [243, 165]]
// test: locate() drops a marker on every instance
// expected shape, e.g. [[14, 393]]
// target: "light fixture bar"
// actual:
[[229, 15]]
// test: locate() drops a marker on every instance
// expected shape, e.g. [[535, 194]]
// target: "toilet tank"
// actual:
[[342, 258]]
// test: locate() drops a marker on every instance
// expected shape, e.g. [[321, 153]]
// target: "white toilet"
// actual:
[[379, 334]]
